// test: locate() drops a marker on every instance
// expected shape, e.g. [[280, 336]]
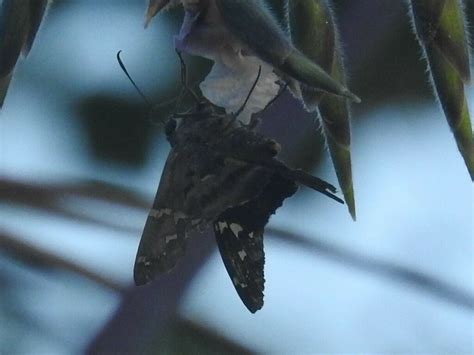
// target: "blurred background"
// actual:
[[80, 162]]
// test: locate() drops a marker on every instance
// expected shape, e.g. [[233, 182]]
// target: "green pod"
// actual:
[[440, 23], [313, 32], [441, 31], [279, 9], [450, 90], [257, 29], [19, 22], [335, 116], [13, 31], [155, 6], [37, 12]]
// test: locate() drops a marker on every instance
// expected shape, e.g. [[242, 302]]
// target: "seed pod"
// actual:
[[240, 36], [256, 29], [19, 23], [155, 6], [279, 9], [441, 31], [313, 32], [37, 12]]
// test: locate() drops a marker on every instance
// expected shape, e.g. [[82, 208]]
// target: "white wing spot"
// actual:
[[207, 177], [222, 226], [237, 283], [236, 228], [169, 238], [242, 254], [143, 260], [158, 213], [251, 235]]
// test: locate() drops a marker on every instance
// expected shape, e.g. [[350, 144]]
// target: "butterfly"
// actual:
[[223, 174]]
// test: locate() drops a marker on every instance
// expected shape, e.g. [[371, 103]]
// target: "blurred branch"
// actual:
[[392, 272], [29, 193], [32, 255], [147, 310], [181, 336], [184, 336], [47, 196], [155, 304]]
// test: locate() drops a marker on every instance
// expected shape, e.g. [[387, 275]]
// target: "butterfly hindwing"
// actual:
[[239, 235], [243, 256]]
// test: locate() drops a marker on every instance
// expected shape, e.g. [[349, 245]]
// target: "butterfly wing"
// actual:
[[198, 183], [163, 242], [163, 239], [239, 234], [243, 256]]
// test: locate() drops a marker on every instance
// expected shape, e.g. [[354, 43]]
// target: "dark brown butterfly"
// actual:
[[220, 173]]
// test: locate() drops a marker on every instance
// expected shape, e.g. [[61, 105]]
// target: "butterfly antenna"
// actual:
[[239, 111], [124, 69]]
